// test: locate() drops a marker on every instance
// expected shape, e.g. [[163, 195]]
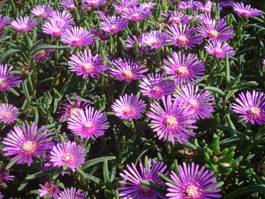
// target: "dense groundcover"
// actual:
[[132, 99]]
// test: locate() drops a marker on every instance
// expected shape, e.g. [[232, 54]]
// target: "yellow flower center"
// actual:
[[183, 39], [29, 147], [182, 70], [128, 74], [213, 33], [89, 125], [171, 122], [192, 192], [193, 103], [88, 67], [129, 111], [3, 83], [73, 110], [255, 111], [68, 157]]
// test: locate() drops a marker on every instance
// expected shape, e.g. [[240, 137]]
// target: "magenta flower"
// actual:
[[204, 7], [55, 28], [8, 113], [70, 107], [246, 11], [176, 18], [71, 193], [68, 4], [216, 30], [128, 107], [250, 107], [226, 3], [69, 155], [93, 3], [23, 24], [48, 190], [4, 21], [7, 79], [25, 142], [193, 182], [183, 68], [127, 70], [63, 17], [124, 5], [5, 177], [134, 175], [88, 123], [137, 13], [219, 49], [199, 102], [77, 36], [113, 24], [42, 11], [43, 55], [86, 65], [183, 36], [131, 42], [153, 40], [154, 86], [171, 121], [185, 5]]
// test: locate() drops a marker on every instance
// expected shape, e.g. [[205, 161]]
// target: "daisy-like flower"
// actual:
[[154, 86], [153, 40], [63, 17], [8, 80], [193, 182], [216, 30], [43, 55], [88, 123], [8, 113], [137, 13], [176, 18], [55, 28], [171, 121], [185, 5], [246, 11], [71, 193], [132, 41], [113, 24], [184, 68], [23, 24], [42, 11], [128, 107], [48, 190], [93, 3], [123, 5], [5, 177], [200, 102], [183, 36], [127, 70], [68, 4], [226, 3], [219, 49], [77, 36], [25, 142], [86, 65], [70, 107], [4, 21], [250, 107], [69, 154], [134, 175], [204, 7]]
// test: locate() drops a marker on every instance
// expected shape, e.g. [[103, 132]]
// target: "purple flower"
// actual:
[[71, 193], [176, 18], [8, 113], [246, 10], [70, 107], [4, 21], [185, 5], [123, 5], [25, 142], [42, 11], [5, 177], [183, 68], [128, 107], [200, 102], [127, 70], [204, 7], [7, 79], [68, 4], [63, 17], [69, 155], [48, 190], [153, 40], [154, 86], [86, 65], [137, 13], [23, 24], [219, 49], [55, 28], [171, 121], [226, 3], [216, 30], [88, 123], [93, 3], [77, 36], [251, 107], [193, 182], [43, 55], [134, 175], [183, 36], [113, 24]]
